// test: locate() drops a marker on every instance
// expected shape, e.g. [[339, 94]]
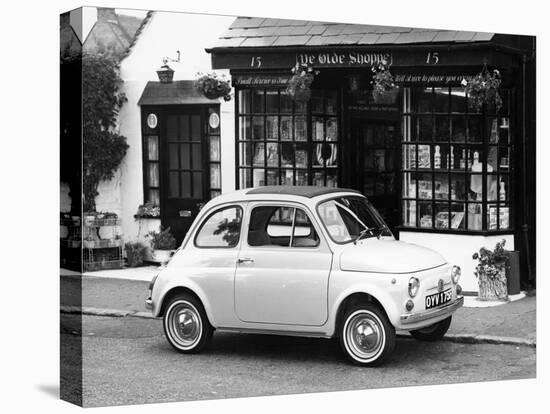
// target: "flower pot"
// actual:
[[301, 95], [388, 97], [161, 256], [492, 283]]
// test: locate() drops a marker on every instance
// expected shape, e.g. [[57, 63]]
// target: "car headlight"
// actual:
[[414, 285], [455, 274]]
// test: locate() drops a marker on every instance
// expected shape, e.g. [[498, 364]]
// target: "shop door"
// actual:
[[184, 170], [377, 165]]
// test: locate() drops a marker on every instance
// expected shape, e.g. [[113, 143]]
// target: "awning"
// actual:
[[181, 92]]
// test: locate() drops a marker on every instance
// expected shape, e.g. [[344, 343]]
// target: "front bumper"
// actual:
[[149, 304], [448, 309]]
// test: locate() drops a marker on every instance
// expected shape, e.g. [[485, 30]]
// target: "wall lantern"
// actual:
[[166, 73]]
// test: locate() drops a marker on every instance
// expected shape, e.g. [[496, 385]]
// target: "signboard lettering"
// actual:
[[351, 58]]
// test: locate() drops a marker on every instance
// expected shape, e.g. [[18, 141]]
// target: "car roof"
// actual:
[[308, 191]]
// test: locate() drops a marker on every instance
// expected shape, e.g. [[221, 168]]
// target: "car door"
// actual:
[[283, 267]]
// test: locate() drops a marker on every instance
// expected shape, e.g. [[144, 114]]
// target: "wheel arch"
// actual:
[[180, 290], [353, 299]]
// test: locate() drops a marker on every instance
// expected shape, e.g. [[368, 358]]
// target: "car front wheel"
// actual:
[[433, 332], [186, 325], [367, 336]]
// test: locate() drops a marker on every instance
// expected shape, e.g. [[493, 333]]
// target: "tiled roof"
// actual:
[[260, 32], [176, 93]]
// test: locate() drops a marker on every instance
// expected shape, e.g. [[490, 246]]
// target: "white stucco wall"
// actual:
[[164, 34], [458, 249]]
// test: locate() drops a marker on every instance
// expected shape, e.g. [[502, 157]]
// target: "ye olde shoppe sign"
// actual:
[[351, 58]]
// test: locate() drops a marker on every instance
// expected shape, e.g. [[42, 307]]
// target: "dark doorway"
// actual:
[[184, 168], [376, 162]]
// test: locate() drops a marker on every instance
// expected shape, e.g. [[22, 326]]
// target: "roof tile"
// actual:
[[291, 30], [316, 41], [230, 42], [291, 40], [232, 33], [445, 36], [482, 37], [247, 22], [358, 29], [334, 29], [349, 39], [464, 36], [406, 38], [317, 29], [258, 41], [369, 38], [425, 36], [386, 38]]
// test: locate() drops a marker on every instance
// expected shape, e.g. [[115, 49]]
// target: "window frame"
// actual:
[[208, 216], [409, 141]]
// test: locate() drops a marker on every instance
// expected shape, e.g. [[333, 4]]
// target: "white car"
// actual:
[[306, 261]]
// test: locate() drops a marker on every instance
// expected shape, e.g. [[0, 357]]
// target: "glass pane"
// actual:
[[197, 156], [425, 128], [332, 179], [332, 129], [492, 158], [154, 197], [245, 178], [153, 148], [171, 128], [245, 129], [300, 128], [504, 130], [331, 103], [197, 185], [287, 155], [222, 229], [317, 101], [504, 188], [287, 177], [301, 156], [475, 183], [441, 100], [286, 128], [318, 131], [440, 156], [409, 157], [409, 213], [272, 128], [475, 221], [301, 177], [424, 156], [458, 187], [319, 178], [258, 127], [425, 186], [458, 129], [272, 177], [259, 154], [173, 184], [492, 187], [441, 189], [184, 133], [300, 107], [185, 184], [272, 155], [244, 101], [245, 155], [474, 129], [195, 127], [492, 217], [173, 156], [457, 215], [369, 186], [492, 130], [215, 177], [409, 186], [258, 178], [422, 99], [184, 157], [425, 214], [215, 148], [441, 216], [153, 175], [286, 103], [272, 101], [442, 128], [258, 104], [458, 100]]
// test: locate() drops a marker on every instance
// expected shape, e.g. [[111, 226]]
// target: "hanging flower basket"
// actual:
[[299, 85], [491, 272], [384, 89], [213, 86], [484, 89]]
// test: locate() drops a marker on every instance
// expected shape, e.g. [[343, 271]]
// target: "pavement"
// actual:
[[121, 293]]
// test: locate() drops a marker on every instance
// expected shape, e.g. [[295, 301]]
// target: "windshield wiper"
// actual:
[[363, 233], [380, 229]]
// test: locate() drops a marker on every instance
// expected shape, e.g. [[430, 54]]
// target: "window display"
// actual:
[[455, 164]]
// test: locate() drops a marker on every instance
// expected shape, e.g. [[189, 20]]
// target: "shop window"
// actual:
[[282, 142], [456, 163]]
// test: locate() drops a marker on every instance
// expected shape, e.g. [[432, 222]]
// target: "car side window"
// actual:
[[221, 229], [281, 226]]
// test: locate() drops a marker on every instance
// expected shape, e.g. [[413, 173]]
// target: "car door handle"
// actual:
[[245, 260]]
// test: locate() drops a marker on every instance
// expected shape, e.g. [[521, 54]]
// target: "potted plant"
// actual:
[[299, 85], [213, 86], [162, 244], [484, 89], [148, 210], [491, 272], [384, 89], [135, 253]]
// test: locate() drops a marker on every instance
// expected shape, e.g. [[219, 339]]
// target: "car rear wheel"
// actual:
[[367, 336], [433, 332], [186, 325]]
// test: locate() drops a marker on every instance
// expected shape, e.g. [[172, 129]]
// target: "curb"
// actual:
[[458, 338]]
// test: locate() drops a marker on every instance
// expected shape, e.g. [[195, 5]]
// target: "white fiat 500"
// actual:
[[306, 261]]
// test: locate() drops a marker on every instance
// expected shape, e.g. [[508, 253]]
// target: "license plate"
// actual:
[[438, 299]]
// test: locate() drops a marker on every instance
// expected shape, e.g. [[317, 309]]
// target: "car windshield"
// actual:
[[351, 218]]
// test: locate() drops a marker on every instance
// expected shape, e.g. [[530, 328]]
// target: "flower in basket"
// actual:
[[484, 89], [491, 272], [162, 240], [299, 85], [213, 86], [382, 80], [148, 210]]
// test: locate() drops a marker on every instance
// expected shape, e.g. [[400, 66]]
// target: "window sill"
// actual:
[[454, 231]]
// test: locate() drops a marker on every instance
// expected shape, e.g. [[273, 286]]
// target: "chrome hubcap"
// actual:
[[184, 324], [365, 335]]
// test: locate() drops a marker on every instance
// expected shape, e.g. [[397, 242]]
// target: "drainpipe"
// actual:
[[525, 226]]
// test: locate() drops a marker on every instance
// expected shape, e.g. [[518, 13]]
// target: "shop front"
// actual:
[[442, 173]]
